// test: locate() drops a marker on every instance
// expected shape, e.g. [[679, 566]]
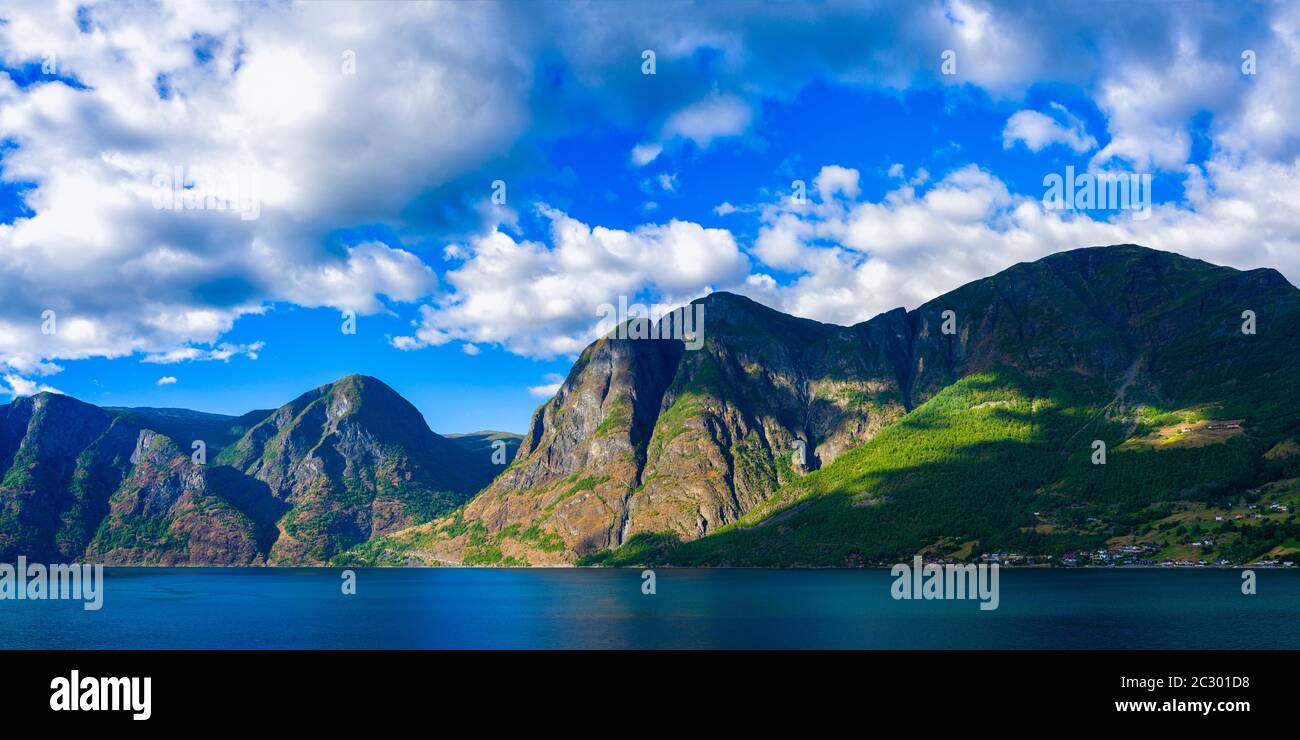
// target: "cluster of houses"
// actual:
[[1142, 555], [1273, 508], [1011, 558], [1139, 554], [1216, 425], [1000, 558]]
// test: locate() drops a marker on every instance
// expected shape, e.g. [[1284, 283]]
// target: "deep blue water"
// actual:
[[566, 608]]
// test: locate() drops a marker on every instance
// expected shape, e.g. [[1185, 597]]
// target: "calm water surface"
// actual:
[[566, 608]]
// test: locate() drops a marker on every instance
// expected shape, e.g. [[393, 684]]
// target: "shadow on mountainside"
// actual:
[[972, 464]]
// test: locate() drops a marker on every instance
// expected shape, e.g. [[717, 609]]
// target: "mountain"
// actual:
[[333, 468], [349, 461], [61, 460], [977, 439], [645, 435]]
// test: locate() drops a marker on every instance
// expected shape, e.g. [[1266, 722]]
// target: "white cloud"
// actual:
[[549, 388], [222, 352], [643, 154], [992, 48], [835, 180], [167, 380], [714, 117], [443, 90], [542, 300], [854, 261], [327, 150], [16, 385], [1270, 107], [1038, 131]]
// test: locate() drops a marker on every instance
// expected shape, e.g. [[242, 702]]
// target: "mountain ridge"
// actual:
[[336, 466], [779, 441], [1122, 328]]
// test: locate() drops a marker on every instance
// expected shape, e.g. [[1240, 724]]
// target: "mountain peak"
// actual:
[[732, 312], [725, 296], [359, 381], [349, 394]]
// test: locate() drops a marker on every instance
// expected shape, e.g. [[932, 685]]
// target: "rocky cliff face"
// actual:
[[168, 512], [646, 436]]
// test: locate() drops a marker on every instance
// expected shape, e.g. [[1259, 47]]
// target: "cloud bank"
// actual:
[[335, 116]]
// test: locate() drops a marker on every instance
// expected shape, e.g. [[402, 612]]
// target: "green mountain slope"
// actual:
[[60, 461], [349, 461]]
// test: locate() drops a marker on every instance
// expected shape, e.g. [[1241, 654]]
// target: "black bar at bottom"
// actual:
[[212, 689]]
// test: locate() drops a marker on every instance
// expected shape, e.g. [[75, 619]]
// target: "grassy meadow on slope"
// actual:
[[965, 473]]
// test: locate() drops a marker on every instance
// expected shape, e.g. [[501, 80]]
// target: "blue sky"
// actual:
[[374, 183]]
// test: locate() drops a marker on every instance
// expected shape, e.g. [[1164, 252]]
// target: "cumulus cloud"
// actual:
[[1038, 131], [441, 91], [167, 380], [714, 117], [834, 180], [855, 260], [542, 299], [851, 258], [16, 385], [267, 103]]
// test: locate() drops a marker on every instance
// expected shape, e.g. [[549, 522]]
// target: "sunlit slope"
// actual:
[[997, 462]]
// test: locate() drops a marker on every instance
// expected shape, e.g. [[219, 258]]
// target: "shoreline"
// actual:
[[339, 568]]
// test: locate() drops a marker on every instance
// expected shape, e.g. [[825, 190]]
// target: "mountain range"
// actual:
[[1100, 400], [300, 484]]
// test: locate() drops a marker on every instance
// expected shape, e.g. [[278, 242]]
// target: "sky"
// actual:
[[445, 195]]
